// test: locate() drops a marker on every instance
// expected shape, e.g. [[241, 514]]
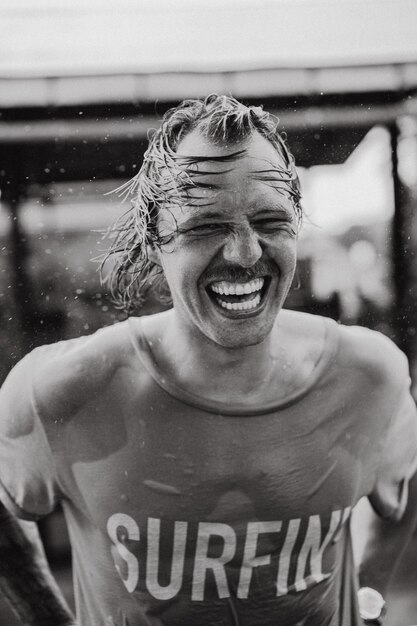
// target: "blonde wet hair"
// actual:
[[165, 179]]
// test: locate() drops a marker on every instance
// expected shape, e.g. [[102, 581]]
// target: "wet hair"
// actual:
[[166, 178]]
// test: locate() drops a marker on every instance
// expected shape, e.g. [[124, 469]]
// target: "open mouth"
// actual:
[[239, 297]]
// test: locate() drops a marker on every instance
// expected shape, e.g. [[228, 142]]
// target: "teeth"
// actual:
[[237, 289], [240, 306]]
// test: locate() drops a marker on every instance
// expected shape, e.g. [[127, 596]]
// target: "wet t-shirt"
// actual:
[[187, 512]]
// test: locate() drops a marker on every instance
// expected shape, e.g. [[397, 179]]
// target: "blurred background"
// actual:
[[81, 84]]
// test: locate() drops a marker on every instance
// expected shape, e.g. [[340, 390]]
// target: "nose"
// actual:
[[242, 247]]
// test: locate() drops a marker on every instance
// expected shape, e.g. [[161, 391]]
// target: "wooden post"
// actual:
[[401, 252], [18, 252]]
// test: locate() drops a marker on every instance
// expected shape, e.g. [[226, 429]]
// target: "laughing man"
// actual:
[[208, 458]]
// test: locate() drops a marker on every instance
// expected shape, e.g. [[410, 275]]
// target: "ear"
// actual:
[[154, 254]]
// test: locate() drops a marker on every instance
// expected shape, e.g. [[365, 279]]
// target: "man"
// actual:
[[208, 458]]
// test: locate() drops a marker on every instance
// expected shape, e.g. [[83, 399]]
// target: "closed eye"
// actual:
[[274, 225], [205, 229]]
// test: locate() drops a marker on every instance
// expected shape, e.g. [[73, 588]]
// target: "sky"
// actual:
[[58, 37]]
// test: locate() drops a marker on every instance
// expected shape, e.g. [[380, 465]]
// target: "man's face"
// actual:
[[231, 261]]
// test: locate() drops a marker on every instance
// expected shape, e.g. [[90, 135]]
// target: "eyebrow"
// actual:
[[278, 212], [203, 216]]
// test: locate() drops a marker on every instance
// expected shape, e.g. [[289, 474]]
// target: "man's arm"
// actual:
[[386, 541], [25, 577]]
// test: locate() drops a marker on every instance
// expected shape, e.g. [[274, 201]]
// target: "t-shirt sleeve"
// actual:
[[398, 460], [28, 485]]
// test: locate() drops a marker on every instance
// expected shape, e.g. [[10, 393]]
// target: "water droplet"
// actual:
[[161, 487]]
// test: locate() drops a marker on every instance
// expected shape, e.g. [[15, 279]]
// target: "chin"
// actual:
[[239, 338]]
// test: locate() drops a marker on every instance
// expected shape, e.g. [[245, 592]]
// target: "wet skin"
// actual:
[[234, 230]]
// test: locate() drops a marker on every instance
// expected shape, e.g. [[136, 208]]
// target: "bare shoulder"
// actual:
[[69, 373], [103, 349], [372, 352], [355, 347], [153, 325], [304, 334], [296, 322]]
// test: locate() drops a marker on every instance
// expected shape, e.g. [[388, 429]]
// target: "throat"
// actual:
[[248, 378], [252, 375]]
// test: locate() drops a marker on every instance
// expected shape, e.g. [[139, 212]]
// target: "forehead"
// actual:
[[250, 174], [256, 148], [251, 170]]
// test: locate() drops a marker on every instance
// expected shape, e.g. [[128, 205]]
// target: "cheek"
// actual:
[[185, 260], [285, 252], [182, 271], [291, 254]]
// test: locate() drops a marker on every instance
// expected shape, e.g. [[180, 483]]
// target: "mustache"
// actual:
[[237, 273]]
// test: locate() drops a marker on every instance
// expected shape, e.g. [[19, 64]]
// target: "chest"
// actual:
[[183, 466]]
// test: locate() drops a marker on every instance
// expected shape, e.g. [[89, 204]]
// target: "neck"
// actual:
[[252, 375], [205, 366]]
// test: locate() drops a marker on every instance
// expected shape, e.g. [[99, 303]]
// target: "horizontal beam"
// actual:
[[118, 129], [56, 91]]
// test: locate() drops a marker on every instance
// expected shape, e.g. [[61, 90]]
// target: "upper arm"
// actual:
[[398, 460], [28, 485], [388, 411]]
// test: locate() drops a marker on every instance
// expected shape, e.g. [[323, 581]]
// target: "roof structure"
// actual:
[[95, 50], [82, 81]]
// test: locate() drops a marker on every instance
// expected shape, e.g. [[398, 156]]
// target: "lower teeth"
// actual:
[[240, 306]]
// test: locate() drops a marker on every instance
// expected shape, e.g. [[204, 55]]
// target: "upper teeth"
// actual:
[[237, 289]]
